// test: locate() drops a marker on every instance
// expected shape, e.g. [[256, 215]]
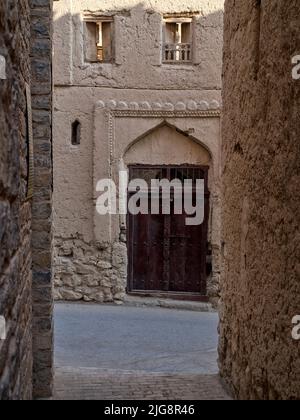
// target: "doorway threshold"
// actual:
[[139, 300], [192, 297]]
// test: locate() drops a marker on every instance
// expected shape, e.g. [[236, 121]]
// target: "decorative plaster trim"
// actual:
[[111, 130], [166, 114], [138, 112], [113, 110], [132, 109]]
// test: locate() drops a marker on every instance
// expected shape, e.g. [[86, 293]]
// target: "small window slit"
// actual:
[[76, 133]]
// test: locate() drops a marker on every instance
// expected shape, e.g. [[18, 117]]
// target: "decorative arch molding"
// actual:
[[109, 152], [163, 114], [166, 123], [159, 107]]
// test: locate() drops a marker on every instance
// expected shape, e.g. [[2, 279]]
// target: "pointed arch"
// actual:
[[163, 124]]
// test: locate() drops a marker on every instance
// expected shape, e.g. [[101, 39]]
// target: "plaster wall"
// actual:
[[138, 45]]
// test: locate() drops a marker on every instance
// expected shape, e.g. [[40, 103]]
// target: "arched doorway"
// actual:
[[166, 256]]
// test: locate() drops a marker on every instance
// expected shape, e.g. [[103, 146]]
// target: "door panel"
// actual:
[[179, 240], [187, 256], [146, 259], [155, 251], [165, 254]]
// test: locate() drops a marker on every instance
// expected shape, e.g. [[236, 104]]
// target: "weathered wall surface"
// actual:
[[41, 87], [138, 45], [261, 216], [90, 251], [15, 211], [26, 302]]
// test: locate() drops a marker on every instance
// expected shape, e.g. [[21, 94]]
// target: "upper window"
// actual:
[[177, 40], [99, 41]]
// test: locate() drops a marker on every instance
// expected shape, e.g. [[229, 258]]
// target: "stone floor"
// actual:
[[73, 384], [111, 352]]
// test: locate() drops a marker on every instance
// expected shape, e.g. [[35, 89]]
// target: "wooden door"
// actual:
[[166, 255]]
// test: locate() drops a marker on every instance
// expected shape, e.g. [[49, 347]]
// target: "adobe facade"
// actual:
[[260, 200], [126, 98]]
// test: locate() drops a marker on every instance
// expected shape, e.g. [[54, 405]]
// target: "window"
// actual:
[[99, 41], [177, 40], [76, 133]]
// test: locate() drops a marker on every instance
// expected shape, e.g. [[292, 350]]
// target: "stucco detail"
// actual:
[[180, 106]]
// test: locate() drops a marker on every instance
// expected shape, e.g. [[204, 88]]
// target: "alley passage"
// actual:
[[111, 352]]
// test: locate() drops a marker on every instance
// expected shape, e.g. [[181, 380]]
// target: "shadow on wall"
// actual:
[[132, 48]]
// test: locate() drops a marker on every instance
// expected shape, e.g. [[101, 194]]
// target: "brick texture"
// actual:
[[261, 195], [99, 384], [15, 211], [41, 74], [25, 225]]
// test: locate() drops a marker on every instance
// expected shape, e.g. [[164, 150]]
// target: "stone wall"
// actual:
[[261, 195], [90, 272], [15, 210], [41, 87]]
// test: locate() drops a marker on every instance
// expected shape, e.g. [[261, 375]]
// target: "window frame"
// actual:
[[177, 19], [97, 20]]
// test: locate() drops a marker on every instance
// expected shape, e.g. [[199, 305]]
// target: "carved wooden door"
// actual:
[[166, 255]]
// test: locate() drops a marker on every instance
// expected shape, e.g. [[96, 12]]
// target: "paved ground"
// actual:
[[111, 352], [147, 339], [97, 384], [137, 301]]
